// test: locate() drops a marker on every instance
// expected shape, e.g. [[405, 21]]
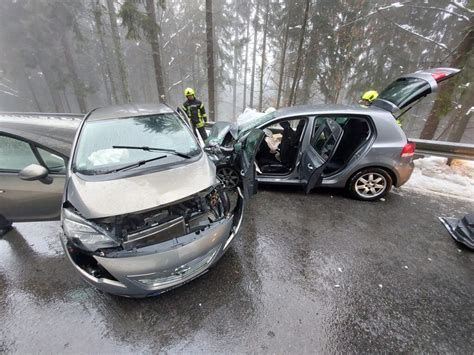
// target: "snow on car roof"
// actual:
[[329, 108], [128, 110], [54, 131]]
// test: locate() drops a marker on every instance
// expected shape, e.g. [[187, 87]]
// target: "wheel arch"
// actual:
[[392, 174]]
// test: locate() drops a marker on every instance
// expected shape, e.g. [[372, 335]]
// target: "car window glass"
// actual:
[[250, 147], [53, 162], [402, 91], [325, 137], [95, 152], [15, 154], [321, 137]]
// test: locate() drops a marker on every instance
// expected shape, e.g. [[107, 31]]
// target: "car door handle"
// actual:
[[310, 166]]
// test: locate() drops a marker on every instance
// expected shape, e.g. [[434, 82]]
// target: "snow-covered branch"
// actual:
[[178, 82], [409, 30], [439, 9], [8, 90], [461, 6], [413, 5]]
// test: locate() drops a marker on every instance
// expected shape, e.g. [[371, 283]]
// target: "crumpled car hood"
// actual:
[[98, 199]]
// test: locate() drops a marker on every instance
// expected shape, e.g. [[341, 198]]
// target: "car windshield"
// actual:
[[107, 145], [255, 122]]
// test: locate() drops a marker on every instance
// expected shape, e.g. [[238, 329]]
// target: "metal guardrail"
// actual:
[[423, 147], [444, 149]]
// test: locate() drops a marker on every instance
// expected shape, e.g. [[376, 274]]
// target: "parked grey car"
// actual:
[[141, 207], [355, 147]]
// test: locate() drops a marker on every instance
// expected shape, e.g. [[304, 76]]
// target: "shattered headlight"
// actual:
[[83, 234]]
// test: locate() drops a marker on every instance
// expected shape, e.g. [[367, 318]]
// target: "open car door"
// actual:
[[247, 150], [404, 92], [25, 195], [323, 145]]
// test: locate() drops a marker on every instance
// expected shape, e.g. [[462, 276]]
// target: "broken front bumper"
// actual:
[[158, 268]]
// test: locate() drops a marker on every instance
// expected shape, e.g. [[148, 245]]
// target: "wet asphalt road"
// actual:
[[316, 273]]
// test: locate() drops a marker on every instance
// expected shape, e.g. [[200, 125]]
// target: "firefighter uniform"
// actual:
[[196, 113]]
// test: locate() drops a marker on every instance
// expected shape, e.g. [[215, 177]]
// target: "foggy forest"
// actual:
[[69, 56]]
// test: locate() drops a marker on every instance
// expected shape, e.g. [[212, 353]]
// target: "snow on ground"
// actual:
[[433, 176]]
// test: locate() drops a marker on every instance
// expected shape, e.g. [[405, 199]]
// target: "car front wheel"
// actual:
[[370, 184]]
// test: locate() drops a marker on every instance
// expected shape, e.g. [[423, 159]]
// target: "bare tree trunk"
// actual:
[[32, 90], [252, 79], [155, 48], [106, 85], [68, 105], [105, 57], [118, 50], [300, 53], [236, 52], [283, 54], [53, 91], [295, 94], [264, 45], [246, 64], [443, 100], [465, 110], [210, 59], [77, 85]]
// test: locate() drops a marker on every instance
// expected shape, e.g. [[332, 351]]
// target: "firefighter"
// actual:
[[368, 97], [196, 113]]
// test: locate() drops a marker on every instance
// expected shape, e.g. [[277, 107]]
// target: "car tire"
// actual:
[[229, 177], [370, 184]]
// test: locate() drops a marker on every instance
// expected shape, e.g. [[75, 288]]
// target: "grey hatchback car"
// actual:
[[355, 147]]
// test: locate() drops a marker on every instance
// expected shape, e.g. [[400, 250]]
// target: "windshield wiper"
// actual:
[[150, 149], [137, 164]]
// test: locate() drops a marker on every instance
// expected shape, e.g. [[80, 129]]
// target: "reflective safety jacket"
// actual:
[[196, 112]]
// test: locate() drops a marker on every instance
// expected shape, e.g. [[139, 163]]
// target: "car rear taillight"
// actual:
[[438, 75], [408, 150]]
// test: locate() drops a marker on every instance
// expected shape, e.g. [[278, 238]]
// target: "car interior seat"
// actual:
[[288, 149], [355, 134]]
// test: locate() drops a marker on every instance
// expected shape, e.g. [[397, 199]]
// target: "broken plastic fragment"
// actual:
[[429, 259], [339, 269], [337, 286], [380, 285], [405, 267], [382, 199]]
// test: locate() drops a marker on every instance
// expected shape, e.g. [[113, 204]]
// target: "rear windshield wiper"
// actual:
[[149, 149], [137, 164]]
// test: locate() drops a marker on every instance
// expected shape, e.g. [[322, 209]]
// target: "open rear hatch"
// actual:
[[407, 90]]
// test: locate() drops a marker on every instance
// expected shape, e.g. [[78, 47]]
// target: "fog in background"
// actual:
[[72, 56]]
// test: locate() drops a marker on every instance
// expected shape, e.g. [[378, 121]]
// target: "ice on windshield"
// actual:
[[108, 156], [95, 150]]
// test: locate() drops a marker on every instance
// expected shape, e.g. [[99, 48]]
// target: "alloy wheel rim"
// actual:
[[370, 185], [229, 177]]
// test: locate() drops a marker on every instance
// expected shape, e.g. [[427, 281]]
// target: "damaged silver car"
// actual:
[[143, 210]]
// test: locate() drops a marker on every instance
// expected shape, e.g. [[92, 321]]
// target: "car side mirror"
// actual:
[[35, 172]]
